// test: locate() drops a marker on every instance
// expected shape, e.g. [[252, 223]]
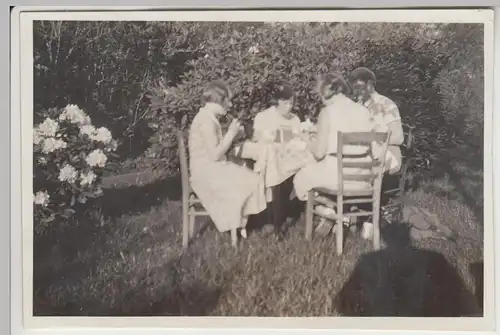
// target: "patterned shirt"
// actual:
[[383, 110]]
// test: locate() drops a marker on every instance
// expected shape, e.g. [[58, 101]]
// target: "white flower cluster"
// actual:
[[75, 115], [48, 138], [99, 135], [96, 158], [45, 135], [41, 198], [69, 174], [51, 144]]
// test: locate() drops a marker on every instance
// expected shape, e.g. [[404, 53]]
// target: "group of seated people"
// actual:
[[231, 193]]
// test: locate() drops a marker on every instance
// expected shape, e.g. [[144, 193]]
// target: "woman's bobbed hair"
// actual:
[[215, 92], [332, 83], [281, 91]]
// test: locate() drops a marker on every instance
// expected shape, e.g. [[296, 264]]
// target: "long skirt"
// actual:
[[228, 192]]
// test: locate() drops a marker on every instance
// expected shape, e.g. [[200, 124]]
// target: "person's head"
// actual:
[[362, 82], [284, 97], [217, 92], [331, 84], [396, 236]]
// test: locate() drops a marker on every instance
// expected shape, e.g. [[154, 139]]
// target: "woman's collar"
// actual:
[[213, 108], [333, 99]]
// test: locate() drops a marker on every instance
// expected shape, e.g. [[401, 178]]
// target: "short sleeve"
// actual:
[[391, 111], [257, 127]]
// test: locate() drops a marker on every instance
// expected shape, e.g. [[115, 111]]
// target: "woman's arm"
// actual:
[[257, 128], [318, 148], [216, 149]]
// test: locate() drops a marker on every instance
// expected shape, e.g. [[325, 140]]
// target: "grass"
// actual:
[[126, 259]]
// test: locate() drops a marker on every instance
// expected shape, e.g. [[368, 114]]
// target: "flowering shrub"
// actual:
[[69, 158]]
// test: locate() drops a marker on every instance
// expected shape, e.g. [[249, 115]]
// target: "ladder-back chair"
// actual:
[[393, 193], [352, 189]]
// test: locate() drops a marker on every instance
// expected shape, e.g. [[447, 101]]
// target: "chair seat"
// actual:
[[351, 189]]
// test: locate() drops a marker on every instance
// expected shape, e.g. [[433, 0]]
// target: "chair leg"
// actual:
[[192, 219], [402, 187], [185, 223], [340, 225], [376, 223], [309, 215], [234, 237]]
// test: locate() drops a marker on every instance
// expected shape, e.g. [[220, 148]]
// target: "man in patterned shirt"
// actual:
[[384, 113]]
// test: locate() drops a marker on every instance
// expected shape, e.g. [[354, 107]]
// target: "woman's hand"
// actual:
[[234, 129]]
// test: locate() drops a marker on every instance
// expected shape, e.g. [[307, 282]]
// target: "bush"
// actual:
[[461, 85], [106, 68], [70, 155], [405, 57]]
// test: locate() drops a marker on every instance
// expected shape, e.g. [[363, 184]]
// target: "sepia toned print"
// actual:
[[272, 169]]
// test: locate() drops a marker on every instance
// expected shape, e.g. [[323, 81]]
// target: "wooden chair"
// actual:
[[395, 194], [191, 204], [348, 195]]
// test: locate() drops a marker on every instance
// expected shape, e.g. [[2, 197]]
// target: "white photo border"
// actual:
[[21, 151]]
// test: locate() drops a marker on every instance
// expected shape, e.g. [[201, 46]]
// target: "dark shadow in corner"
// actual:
[[179, 298], [54, 252], [405, 281], [477, 271]]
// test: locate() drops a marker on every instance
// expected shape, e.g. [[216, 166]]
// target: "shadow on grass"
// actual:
[[405, 281], [62, 254], [138, 199], [174, 296], [179, 298]]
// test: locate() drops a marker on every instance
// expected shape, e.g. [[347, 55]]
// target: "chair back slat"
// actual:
[[369, 177], [362, 138], [359, 165], [183, 161], [375, 167]]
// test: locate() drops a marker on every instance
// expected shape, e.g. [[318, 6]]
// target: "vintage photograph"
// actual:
[[246, 168]]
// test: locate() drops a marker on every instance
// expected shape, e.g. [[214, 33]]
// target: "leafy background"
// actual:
[[140, 79]]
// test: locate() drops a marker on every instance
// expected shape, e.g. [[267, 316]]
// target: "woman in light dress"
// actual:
[[339, 114], [266, 127], [228, 192], [277, 117]]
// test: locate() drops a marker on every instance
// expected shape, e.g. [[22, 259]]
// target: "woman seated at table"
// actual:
[[229, 192], [266, 128], [278, 117], [339, 114]]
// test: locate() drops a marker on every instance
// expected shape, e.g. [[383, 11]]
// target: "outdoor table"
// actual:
[[277, 161]]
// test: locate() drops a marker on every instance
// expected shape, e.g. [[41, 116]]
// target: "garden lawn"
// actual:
[[127, 259]]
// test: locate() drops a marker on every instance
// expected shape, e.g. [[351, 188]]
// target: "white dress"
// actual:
[[227, 191], [344, 115]]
